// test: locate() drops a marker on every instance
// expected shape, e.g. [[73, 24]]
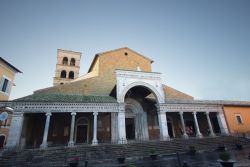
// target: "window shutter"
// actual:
[[1, 83], [8, 86]]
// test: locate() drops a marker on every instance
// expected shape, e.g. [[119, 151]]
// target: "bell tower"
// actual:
[[67, 67]]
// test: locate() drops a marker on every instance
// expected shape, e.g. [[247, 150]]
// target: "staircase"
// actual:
[[108, 153]]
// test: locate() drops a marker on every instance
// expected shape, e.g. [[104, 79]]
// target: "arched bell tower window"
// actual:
[[72, 62], [71, 75], [63, 74], [65, 61]]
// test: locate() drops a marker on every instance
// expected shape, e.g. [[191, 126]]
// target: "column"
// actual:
[[114, 129], [185, 136], [15, 130], [72, 128], [46, 131], [198, 133], [163, 124], [222, 123], [121, 124], [95, 141], [210, 125]]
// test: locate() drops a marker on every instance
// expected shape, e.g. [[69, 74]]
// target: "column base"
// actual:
[[185, 136], [199, 135], [44, 145], [71, 144], [165, 138], [94, 142], [212, 135], [122, 141]]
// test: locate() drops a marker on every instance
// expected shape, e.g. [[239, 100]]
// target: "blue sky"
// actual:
[[201, 47]]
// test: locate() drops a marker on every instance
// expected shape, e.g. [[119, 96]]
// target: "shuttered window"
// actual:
[[5, 85]]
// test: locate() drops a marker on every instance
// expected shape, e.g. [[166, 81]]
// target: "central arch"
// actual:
[[159, 95], [141, 117]]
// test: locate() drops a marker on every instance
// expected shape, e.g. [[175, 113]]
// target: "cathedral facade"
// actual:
[[119, 100]]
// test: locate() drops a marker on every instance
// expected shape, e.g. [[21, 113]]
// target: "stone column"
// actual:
[[72, 128], [95, 141], [183, 126], [210, 125], [114, 129], [163, 124], [15, 130], [121, 124], [198, 133], [222, 123], [46, 131]]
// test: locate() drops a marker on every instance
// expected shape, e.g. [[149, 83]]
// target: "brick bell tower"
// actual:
[[67, 67]]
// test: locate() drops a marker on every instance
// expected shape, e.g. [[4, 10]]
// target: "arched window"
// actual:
[[72, 62], [63, 74], [65, 61], [71, 75]]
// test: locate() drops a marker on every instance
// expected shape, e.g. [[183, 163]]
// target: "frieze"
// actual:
[[6, 104], [190, 108], [31, 107], [138, 75]]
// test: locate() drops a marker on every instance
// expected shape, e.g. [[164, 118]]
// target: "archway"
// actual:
[[65, 61], [82, 130], [63, 74], [140, 114], [158, 97], [71, 75], [72, 62]]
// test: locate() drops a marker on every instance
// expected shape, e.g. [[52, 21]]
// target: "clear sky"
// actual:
[[201, 47]]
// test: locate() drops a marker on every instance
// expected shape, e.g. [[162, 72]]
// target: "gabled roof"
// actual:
[[10, 65], [102, 53]]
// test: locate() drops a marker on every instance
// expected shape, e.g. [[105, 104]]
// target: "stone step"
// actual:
[[109, 152]]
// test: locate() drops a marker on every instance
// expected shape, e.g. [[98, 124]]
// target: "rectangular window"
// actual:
[[238, 118], [5, 85]]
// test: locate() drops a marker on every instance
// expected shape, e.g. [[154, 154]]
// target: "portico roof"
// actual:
[[214, 102], [45, 97]]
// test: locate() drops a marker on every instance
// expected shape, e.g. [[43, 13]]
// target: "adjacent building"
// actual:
[[7, 76]]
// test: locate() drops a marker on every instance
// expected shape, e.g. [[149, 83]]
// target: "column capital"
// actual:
[[207, 113], [121, 107], [73, 113], [48, 114], [160, 107], [95, 113], [181, 112], [194, 113], [161, 112]]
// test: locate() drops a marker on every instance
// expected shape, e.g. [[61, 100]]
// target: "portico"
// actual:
[[138, 112]]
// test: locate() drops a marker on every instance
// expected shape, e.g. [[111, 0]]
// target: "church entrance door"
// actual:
[[82, 130], [2, 138], [81, 136], [170, 130], [130, 128]]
